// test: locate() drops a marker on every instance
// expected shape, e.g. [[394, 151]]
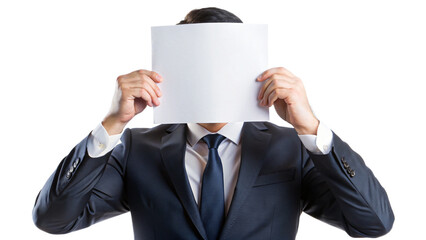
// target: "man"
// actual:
[[214, 180]]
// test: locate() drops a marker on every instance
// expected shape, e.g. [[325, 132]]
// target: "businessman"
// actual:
[[234, 181]]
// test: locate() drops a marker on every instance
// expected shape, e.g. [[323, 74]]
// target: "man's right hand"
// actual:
[[134, 92]]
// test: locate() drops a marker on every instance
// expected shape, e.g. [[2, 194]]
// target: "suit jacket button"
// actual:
[[71, 169], [75, 164], [346, 165], [77, 161], [352, 173], [68, 175]]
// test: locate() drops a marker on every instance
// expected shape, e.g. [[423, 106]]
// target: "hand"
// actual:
[[134, 92], [287, 93]]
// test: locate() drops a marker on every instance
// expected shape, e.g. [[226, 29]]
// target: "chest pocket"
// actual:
[[276, 177]]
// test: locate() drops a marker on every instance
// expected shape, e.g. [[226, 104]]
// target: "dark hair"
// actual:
[[210, 15]]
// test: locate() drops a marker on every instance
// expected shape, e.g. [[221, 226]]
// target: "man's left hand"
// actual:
[[286, 92]]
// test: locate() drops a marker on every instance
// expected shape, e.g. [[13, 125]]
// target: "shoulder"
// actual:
[[279, 135], [275, 129], [159, 129], [153, 134]]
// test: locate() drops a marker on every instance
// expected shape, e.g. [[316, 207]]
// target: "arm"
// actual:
[[88, 186], [337, 186], [83, 190], [345, 193]]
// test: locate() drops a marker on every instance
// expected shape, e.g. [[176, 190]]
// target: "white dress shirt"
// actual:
[[100, 143]]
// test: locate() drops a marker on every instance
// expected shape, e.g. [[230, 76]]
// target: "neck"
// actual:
[[212, 127]]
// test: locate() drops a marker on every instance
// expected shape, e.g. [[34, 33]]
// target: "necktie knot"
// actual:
[[213, 140]]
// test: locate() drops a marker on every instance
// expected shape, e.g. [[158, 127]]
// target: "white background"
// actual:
[[362, 62]]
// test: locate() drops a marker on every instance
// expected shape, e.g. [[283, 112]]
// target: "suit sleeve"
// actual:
[[83, 190], [340, 189]]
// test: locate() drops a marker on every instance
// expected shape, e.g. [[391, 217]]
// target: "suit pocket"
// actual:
[[276, 177]]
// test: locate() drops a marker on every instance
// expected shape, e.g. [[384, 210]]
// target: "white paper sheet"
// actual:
[[209, 72]]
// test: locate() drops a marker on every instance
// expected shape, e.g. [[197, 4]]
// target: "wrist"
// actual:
[[308, 129], [113, 125]]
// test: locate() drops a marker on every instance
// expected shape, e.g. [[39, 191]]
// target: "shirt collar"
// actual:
[[232, 131]]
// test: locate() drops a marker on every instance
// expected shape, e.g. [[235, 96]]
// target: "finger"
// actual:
[[278, 93], [147, 84], [142, 93], [153, 85], [137, 75], [156, 77], [271, 98], [151, 92], [266, 74], [276, 79], [273, 86], [263, 89], [146, 96], [139, 83]]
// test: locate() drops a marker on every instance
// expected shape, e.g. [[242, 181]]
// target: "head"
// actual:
[[210, 15]]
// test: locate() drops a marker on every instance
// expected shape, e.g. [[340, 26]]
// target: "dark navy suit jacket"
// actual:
[[278, 179]]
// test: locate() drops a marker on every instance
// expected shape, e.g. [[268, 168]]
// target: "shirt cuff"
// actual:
[[100, 143], [320, 143]]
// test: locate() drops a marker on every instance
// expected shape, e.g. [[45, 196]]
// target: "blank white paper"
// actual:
[[209, 72]]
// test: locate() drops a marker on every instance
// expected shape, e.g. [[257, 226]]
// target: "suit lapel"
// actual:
[[254, 143], [173, 147]]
